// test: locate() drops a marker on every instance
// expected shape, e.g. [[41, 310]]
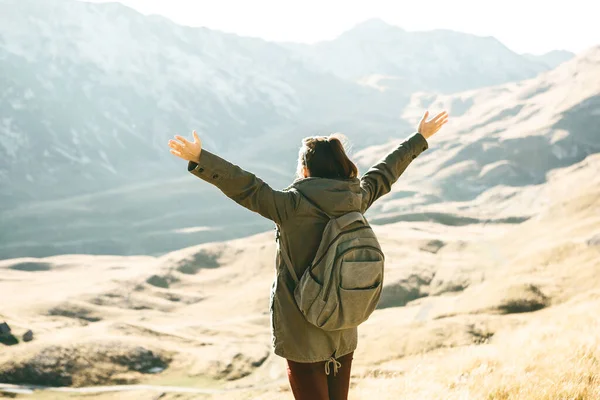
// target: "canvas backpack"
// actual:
[[342, 285]]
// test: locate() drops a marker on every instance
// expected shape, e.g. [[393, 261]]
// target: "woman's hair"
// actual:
[[325, 157]]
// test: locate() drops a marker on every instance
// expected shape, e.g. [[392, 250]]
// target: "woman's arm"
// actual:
[[378, 180], [241, 186]]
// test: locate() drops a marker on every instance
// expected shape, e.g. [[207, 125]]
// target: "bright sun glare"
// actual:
[[524, 26]]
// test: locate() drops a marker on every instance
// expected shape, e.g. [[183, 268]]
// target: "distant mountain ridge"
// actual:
[[439, 60], [92, 92], [552, 58]]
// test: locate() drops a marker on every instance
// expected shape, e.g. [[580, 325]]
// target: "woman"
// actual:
[[328, 180]]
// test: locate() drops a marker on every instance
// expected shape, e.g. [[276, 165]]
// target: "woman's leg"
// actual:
[[339, 384], [308, 380]]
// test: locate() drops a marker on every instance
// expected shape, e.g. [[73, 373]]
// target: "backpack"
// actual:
[[342, 285]]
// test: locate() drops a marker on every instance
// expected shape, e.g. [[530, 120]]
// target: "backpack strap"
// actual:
[[342, 222], [350, 218], [286, 258]]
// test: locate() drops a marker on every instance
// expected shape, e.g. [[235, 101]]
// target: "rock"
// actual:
[[433, 246], [161, 281], [28, 336], [31, 266], [403, 291], [453, 278], [594, 241], [158, 281], [501, 298], [6, 337], [75, 310], [193, 263], [522, 298], [84, 364], [4, 329]]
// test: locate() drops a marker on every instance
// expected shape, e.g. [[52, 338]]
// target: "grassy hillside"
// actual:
[[496, 311]]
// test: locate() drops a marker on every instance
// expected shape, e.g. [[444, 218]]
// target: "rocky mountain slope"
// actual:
[[90, 94], [500, 139]]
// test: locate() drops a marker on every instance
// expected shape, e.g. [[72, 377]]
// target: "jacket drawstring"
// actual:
[[336, 366]]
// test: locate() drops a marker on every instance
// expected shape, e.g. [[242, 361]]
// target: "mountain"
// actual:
[[388, 57], [91, 93], [552, 58], [499, 139]]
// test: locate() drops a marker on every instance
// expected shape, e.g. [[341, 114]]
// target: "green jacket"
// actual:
[[301, 228]]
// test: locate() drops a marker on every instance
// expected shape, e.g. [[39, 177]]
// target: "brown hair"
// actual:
[[325, 157]]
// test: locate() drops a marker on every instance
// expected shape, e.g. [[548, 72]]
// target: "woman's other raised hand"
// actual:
[[429, 128], [182, 148]]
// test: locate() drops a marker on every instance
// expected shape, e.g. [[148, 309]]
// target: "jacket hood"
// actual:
[[334, 196]]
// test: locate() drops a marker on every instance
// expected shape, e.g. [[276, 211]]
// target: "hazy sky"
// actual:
[[523, 25]]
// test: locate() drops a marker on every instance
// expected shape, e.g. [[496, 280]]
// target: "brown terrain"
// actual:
[[489, 296]]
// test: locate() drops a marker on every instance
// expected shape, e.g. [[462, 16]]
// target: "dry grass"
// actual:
[[555, 356], [475, 334]]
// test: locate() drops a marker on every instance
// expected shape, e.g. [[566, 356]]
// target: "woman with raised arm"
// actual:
[[318, 360]]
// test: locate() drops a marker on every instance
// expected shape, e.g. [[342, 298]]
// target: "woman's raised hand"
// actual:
[[182, 148], [428, 128]]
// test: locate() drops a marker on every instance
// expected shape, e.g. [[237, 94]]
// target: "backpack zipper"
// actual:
[[343, 254]]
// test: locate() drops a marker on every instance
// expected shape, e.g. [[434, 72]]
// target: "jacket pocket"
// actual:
[[307, 294], [328, 311]]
